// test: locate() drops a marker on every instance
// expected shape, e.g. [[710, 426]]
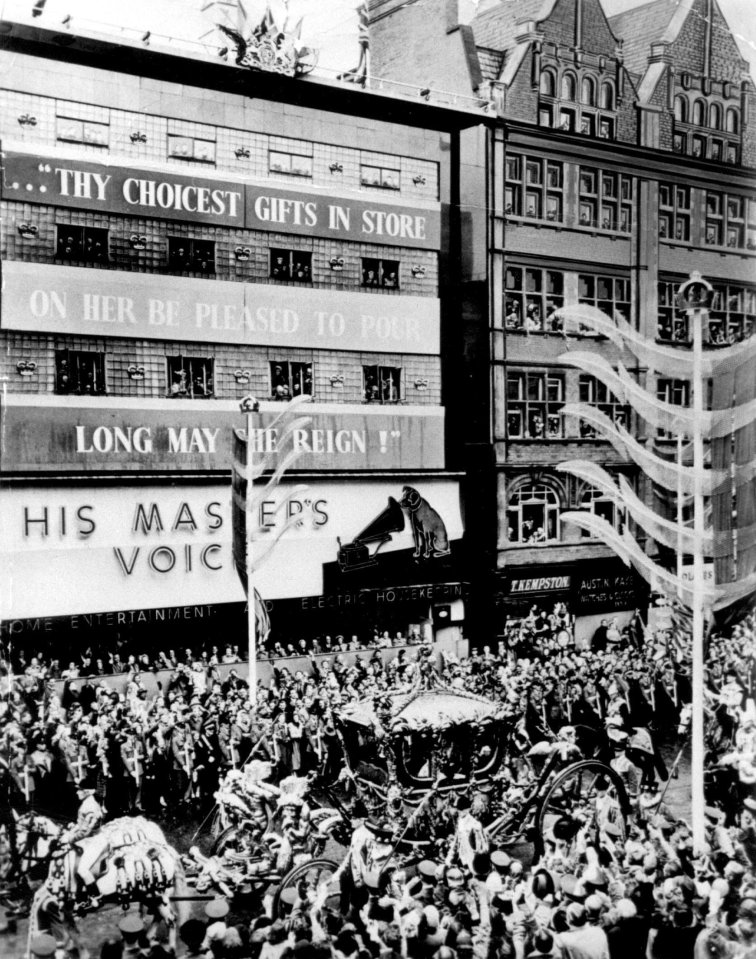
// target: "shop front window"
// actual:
[[676, 392], [598, 503], [382, 384], [610, 294], [186, 255], [380, 273], [534, 404], [532, 298], [79, 372], [189, 377], [291, 265], [596, 393], [289, 379], [533, 515], [83, 244]]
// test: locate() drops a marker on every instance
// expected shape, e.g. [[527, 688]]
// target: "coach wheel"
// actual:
[[306, 879], [584, 792], [236, 839]]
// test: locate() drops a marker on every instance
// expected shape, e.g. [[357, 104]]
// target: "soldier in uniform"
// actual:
[[88, 821]]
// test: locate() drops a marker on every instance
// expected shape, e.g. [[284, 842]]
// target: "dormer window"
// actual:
[[588, 91], [548, 83], [582, 105], [567, 88], [706, 130]]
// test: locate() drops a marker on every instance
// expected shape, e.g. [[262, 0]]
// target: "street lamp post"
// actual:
[[694, 297]]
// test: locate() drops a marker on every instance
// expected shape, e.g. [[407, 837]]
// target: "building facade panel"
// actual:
[[168, 248]]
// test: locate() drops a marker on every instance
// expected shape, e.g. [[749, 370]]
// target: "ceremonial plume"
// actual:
[[266, 469]]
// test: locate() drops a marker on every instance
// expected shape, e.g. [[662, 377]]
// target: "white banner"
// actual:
[[67, 299]]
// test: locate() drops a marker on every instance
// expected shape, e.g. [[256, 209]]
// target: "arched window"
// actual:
[[715, 116], [733, 121], [699, 113], [548, 83], [533, 515], [607, 96], [567, 89], [681, 109], [588, 91], [595, 501]]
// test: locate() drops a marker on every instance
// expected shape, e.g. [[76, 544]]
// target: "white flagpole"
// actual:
[[696, 319]]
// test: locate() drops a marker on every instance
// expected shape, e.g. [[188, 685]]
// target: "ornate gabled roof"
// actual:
[[497, 27], [639, 28]]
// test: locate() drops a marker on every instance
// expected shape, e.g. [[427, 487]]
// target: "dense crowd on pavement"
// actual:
[[127, 655], [164, 752]]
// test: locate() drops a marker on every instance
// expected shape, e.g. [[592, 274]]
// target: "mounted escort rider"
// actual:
[[89, 819]]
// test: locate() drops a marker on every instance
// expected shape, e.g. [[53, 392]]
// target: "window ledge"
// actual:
[[537, 222], [188, 396], [601, 231], [682, 244], [174, 156], [537, 543], [664, 341], [559, 333], [380, 186], [288, 173]]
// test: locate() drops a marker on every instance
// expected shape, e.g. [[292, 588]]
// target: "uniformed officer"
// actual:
[[88, 821]]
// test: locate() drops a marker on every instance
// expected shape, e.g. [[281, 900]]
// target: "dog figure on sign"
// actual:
[[428, 529]]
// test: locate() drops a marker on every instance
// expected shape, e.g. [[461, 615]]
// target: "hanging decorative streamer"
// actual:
[[664, 473], [624, 497], [672, 361]]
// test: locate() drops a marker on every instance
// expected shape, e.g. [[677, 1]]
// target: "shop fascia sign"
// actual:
[[539, 584], [85, 185], [686, 574], [165, 544], [150, 521]]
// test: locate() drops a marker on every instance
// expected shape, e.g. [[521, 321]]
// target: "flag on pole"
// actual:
[[239, 542], [268, 468], [360, 73]]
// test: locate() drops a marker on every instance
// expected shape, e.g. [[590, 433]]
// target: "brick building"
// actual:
[[622, 158], [178, 232]]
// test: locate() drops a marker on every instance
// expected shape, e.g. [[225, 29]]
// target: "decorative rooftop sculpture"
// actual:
[[272, 47]]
